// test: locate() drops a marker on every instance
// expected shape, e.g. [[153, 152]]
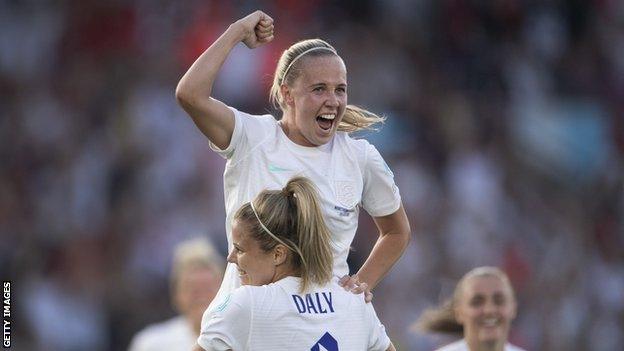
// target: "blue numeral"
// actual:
[[327, 341]]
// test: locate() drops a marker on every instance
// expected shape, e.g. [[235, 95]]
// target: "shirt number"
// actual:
[[326, 342]]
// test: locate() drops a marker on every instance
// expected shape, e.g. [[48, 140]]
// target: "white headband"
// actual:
[[303, 53], [292, 247]]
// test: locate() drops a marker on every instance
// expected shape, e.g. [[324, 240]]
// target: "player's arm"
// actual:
[[213, 118], [394, 235], [391, 347]]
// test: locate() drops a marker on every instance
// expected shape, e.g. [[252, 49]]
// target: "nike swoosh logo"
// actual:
[[273, 168]]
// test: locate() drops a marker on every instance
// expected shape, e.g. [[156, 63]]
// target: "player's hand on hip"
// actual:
[[256, 28], [353, 284]]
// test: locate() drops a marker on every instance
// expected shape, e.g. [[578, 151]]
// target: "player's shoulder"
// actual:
[[242, 294], [253, 128], [250, 294], [262, 120], [358, 148], [235, 304], [268, 299], [349, 300], [350, 141]]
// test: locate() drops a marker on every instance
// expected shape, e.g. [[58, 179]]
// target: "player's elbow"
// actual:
[[406, 236], [184, 96], [403, 233], [407, 233]]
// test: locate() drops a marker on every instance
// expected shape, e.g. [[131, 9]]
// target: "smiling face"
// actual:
[[485, 307], [255, 266], [316, 101]]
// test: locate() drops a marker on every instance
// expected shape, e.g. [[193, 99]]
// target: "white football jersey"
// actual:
[[278, 317], [348, 173]]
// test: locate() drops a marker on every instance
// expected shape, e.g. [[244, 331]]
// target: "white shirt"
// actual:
[[171, 335], [278, 317], [347, 173], [461, 345]]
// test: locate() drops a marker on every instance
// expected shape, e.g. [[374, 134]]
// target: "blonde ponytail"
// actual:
[[440, 319], [292, 217], [356, 119], [312, 232]]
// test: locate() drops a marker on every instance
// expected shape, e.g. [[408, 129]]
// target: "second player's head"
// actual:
[[282, 233]]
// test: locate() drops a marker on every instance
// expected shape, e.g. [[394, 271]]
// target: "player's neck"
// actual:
[[474, 345], [283, 271]]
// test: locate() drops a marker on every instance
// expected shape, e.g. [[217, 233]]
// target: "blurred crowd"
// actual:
[[505, 133]]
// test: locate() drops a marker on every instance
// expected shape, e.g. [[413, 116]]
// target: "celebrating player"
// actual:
[[310, 87], [281, 239], [482, 307]]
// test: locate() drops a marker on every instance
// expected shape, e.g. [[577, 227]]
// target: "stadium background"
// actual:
[[505, 133]]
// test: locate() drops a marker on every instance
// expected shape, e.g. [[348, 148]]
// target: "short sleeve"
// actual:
[[378, 339], [237, 135], [380, 196], [228, 324], [249, 130]]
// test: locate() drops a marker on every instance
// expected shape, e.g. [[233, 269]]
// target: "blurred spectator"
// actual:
[[196, 275]]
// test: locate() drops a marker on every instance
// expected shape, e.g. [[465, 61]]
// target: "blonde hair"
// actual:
[[192, 253], [442, 318], [292, 217], [289, 69]]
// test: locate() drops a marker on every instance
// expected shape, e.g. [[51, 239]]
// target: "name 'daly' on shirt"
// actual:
[[314, 303]]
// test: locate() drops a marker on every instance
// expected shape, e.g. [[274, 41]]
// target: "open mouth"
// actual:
[[326, 121], [490, 322]]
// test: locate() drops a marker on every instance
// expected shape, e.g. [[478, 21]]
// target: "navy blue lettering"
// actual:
[[329, 300], [310, 304], [318, 302], [299, 303], [314, 304]]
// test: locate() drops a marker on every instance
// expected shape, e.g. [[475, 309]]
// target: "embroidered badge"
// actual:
[[345, 192]]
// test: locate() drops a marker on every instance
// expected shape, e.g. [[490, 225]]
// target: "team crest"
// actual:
[[345, 193]]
